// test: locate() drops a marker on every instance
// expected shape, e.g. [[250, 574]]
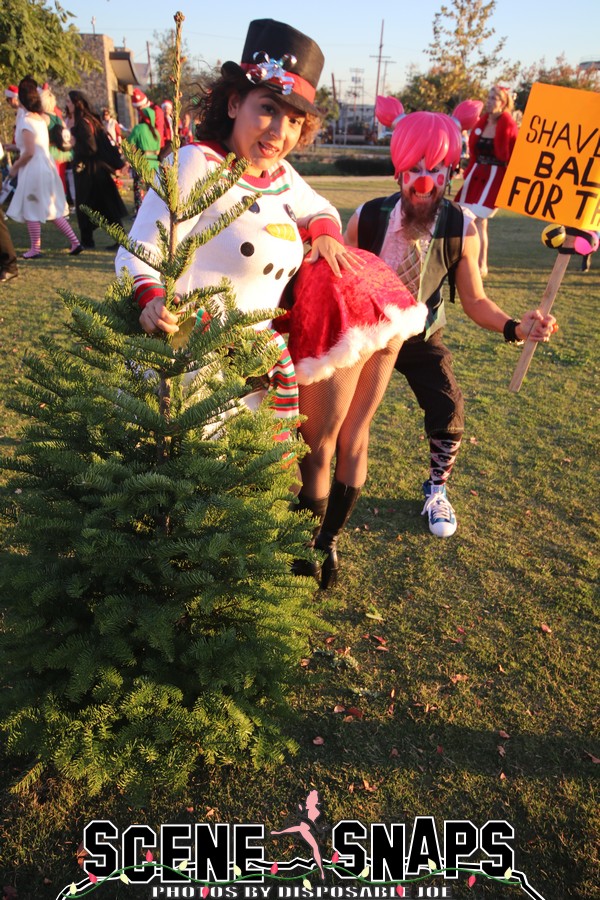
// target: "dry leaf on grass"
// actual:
[[591, 757], [318, 741]]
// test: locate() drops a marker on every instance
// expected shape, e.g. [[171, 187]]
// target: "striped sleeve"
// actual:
[[283, 382], [146, 289]]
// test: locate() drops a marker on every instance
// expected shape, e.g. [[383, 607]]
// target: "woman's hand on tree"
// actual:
[[156, 317]]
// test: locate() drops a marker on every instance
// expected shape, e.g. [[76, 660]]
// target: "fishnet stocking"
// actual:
[[339, 411]]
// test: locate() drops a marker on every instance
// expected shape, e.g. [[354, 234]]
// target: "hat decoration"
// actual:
[[283, 59], [271, 70]]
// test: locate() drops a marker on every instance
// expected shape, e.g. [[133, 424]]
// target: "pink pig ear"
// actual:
[[467, 113], [387, 110]]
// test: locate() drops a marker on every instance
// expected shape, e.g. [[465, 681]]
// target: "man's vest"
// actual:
[[443, 254]]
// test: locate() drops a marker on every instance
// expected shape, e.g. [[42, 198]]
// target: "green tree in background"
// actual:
[[164, 60], [560, 73], [149, 616], [463, 61], [327, 105], [36, 39]]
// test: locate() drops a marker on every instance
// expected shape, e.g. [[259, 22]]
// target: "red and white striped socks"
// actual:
[[35, 236]]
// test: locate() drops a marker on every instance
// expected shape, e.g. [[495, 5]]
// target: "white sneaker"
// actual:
[[442, 519]]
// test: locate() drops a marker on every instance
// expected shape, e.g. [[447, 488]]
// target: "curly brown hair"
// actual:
[[214, 122]]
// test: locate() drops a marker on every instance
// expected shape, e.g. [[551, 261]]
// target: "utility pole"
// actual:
[[379, 57], [337, 96], [149, 63], [334, 123], [388, 62], [357, 85]]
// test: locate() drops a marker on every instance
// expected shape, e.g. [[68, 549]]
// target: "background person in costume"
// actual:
[[11, 96], [8, 257], [491, 143], [427, 239], [140, 102], [146, 138], [39, 196], [94, 184], [59, 136], [112, 127]]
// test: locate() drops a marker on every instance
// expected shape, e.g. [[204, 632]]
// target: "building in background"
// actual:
[[111, 87]]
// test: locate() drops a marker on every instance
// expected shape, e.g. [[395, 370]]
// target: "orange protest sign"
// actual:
[[554, 170]]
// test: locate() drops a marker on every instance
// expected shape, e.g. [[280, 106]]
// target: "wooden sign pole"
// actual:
[[556, 276]]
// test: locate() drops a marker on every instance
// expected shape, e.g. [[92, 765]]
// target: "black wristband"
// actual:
[[510, 332]]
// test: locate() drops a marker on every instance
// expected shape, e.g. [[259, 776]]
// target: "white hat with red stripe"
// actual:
[[11, 92], [139, 99]]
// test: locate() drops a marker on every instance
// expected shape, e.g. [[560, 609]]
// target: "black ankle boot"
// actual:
[[342, 500], [317, 508]]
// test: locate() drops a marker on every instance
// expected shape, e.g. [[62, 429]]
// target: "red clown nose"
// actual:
[[423, 184]]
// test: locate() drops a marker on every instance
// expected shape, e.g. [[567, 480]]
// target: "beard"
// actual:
[[417, 218]]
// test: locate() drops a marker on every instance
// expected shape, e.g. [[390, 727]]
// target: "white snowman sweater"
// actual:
[[259, 252]]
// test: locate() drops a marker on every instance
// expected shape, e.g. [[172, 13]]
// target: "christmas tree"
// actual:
[[150, 616]]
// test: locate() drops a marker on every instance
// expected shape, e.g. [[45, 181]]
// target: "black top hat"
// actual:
[[283, 59]]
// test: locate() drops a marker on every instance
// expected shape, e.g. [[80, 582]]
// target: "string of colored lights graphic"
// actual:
[[271, 875]]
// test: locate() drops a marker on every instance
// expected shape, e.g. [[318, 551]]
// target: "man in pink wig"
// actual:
[[427, 240]]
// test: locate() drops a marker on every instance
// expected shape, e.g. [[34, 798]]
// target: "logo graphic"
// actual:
[[376, 862]]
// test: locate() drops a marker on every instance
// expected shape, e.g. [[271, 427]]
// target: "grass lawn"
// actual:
[[466, 669]]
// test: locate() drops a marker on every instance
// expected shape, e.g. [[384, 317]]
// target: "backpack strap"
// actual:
[[453, 226], [373, 222]]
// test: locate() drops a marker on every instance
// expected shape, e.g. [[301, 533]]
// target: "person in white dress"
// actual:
[[39, 196]]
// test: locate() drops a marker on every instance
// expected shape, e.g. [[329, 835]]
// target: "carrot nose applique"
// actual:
[[285, 232]]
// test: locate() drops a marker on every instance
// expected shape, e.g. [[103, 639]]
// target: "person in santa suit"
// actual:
[[261, 110], [491, 144]]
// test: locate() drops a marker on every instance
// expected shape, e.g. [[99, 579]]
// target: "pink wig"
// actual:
[[433, 136]]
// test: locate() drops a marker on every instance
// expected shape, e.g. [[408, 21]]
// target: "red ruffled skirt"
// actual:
[[336, 321], [480, 189]]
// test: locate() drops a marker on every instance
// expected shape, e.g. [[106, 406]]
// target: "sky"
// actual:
[[348, 33]]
